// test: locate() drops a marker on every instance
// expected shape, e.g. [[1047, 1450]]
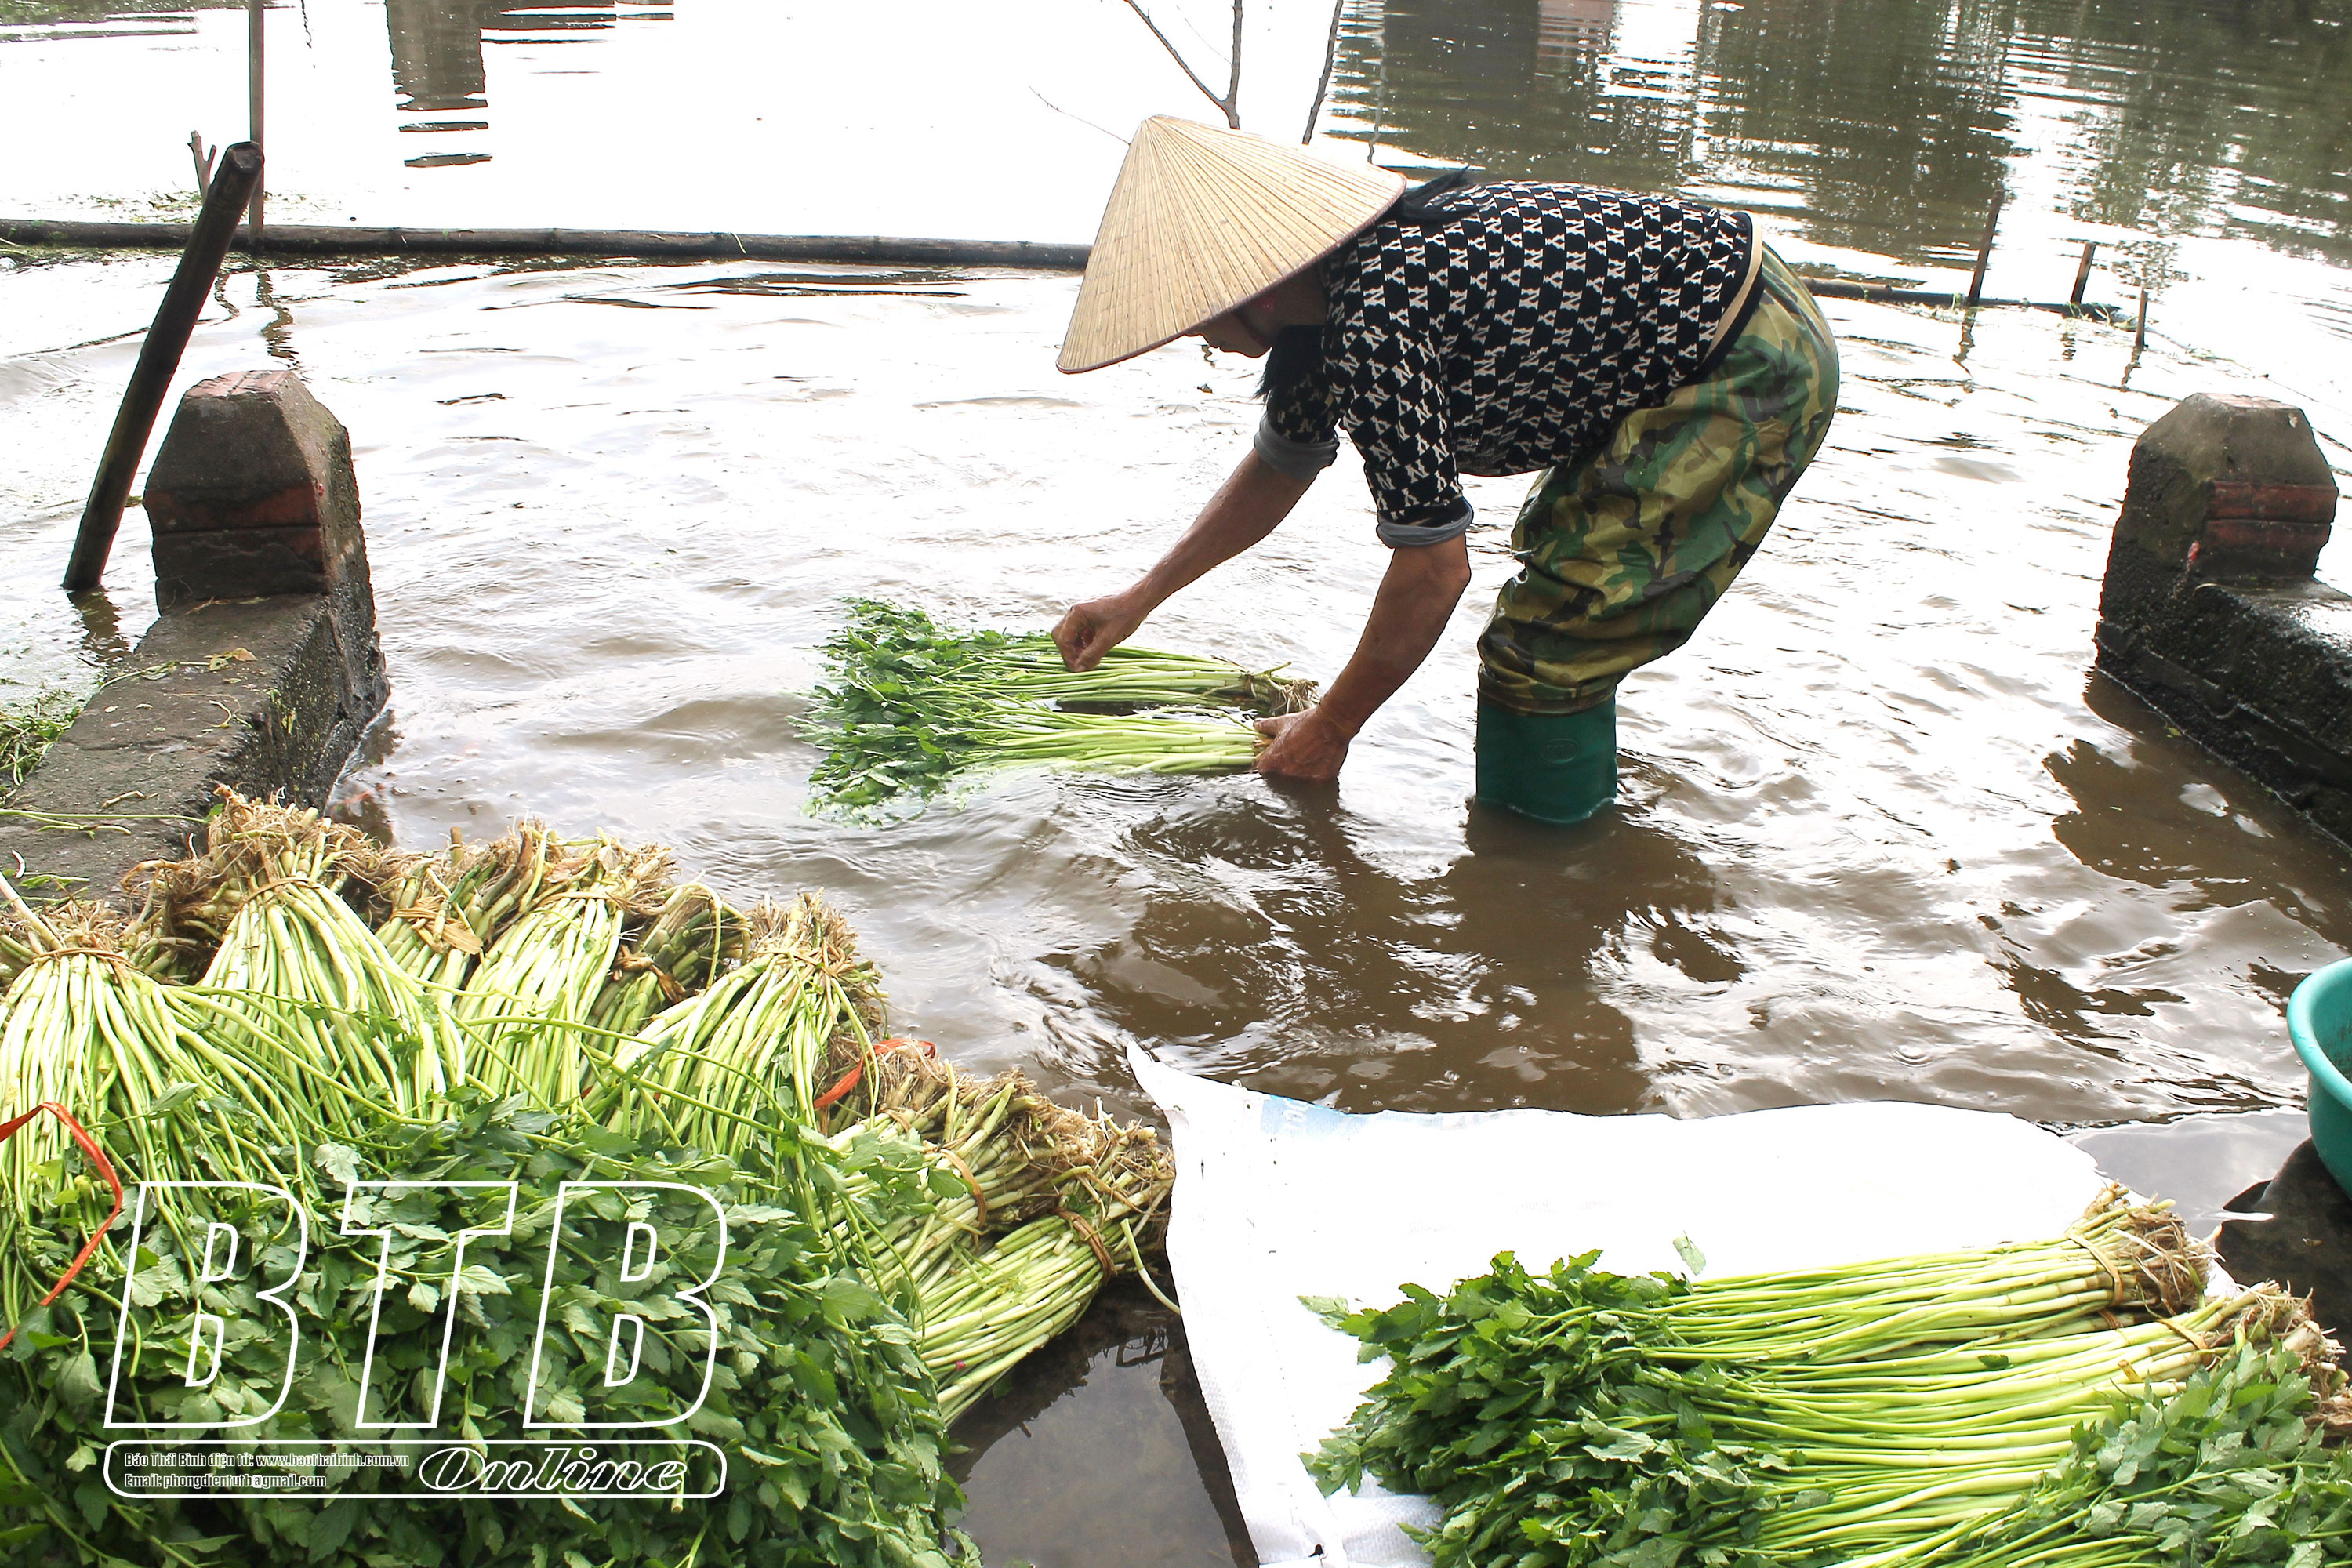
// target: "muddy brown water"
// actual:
[[1884, 832]]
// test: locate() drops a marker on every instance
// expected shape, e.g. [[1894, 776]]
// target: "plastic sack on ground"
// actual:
[[1276, 1199]]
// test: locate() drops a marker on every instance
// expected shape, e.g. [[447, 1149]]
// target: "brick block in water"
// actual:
[[2211, 611], [252, 494]]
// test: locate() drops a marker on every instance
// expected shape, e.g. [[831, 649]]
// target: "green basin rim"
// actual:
[[2303, 1009]]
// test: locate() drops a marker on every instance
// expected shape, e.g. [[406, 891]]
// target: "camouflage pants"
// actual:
[[1623, 548]]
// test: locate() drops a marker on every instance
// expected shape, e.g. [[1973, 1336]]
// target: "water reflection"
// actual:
[[1568, 29], [112, 19], [2222, 119], [2153, 811], [102, 644], [1886, 123], [438, 61], [1276, 951], [2157, 814], [1099, 1448]]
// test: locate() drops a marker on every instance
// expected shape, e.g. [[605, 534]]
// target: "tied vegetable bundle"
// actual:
[[2237, 1468], [820, 1403], [1040, 1206], [1864, 1414], [298, 1007], [909, 707]]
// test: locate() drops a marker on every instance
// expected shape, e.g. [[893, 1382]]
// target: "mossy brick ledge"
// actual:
[[263, 668], [2211, 611]]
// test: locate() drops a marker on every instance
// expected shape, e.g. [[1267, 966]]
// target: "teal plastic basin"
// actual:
[[2319, 1021]]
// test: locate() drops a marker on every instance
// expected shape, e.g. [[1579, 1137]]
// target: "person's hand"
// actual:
[[1302, 746], [1091, 630]]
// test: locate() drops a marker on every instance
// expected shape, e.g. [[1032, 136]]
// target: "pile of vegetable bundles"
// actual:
[[466, 1093], [907, 707], [2077, 1403]]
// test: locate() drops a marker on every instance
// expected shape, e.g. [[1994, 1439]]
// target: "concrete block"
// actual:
[[2228, 488], [2210, 610], [263, 670], [252, 494]]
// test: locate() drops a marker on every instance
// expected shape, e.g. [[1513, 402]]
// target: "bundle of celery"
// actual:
[[542, 976], [2233, 1468], [1034, 1208], [908, 706], [822, 1405], [1029, 1198], [442, 913], [298, 1008], [83, 1028], [1039, 1207], [1581, 1416]]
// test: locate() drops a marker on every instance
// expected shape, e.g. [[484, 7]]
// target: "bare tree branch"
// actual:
[[1079, 117], [1227, 105], [1234, 82], [1323, 84]]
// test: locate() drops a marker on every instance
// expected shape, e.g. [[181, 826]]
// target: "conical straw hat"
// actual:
[[1202, 219]]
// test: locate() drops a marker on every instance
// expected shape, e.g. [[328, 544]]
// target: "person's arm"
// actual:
[[1417, 596], [1245, 509]]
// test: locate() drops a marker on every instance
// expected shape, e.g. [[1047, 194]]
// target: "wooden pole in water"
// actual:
[[2139, 333], [253, 88], [235, 179], [1984, 250], [203, 161], [2083, 273], [1323, 84]]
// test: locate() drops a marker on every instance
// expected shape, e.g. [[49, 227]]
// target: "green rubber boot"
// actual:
[[1554, 767]]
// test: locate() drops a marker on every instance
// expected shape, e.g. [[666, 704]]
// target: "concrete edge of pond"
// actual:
[[293, 240], [263, 670], [2211, 611]]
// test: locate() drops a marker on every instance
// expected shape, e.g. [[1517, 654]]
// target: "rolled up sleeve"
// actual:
[[1292, 458], [1410, 535]]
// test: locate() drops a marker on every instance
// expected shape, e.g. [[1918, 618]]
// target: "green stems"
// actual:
[[909, 708], [556, 1003], [1862, 1412], [550, 965]]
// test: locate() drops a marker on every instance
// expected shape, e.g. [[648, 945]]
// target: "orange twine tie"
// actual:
[[105, 1168]]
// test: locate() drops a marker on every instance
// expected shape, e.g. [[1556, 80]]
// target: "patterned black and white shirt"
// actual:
[[1503, 329]]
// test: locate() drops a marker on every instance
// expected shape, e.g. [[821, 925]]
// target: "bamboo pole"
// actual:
[[322, 239], [2083, 273], [1984, 249], [868, 250], [234, 178], [254, 80]]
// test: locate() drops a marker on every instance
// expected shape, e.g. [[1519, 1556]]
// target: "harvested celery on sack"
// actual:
[[1888, 1412]]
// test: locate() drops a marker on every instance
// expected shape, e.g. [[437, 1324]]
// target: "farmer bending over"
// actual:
[[1663, 368]]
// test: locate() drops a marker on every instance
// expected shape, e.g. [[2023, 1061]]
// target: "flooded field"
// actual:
[[1884, 833]]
